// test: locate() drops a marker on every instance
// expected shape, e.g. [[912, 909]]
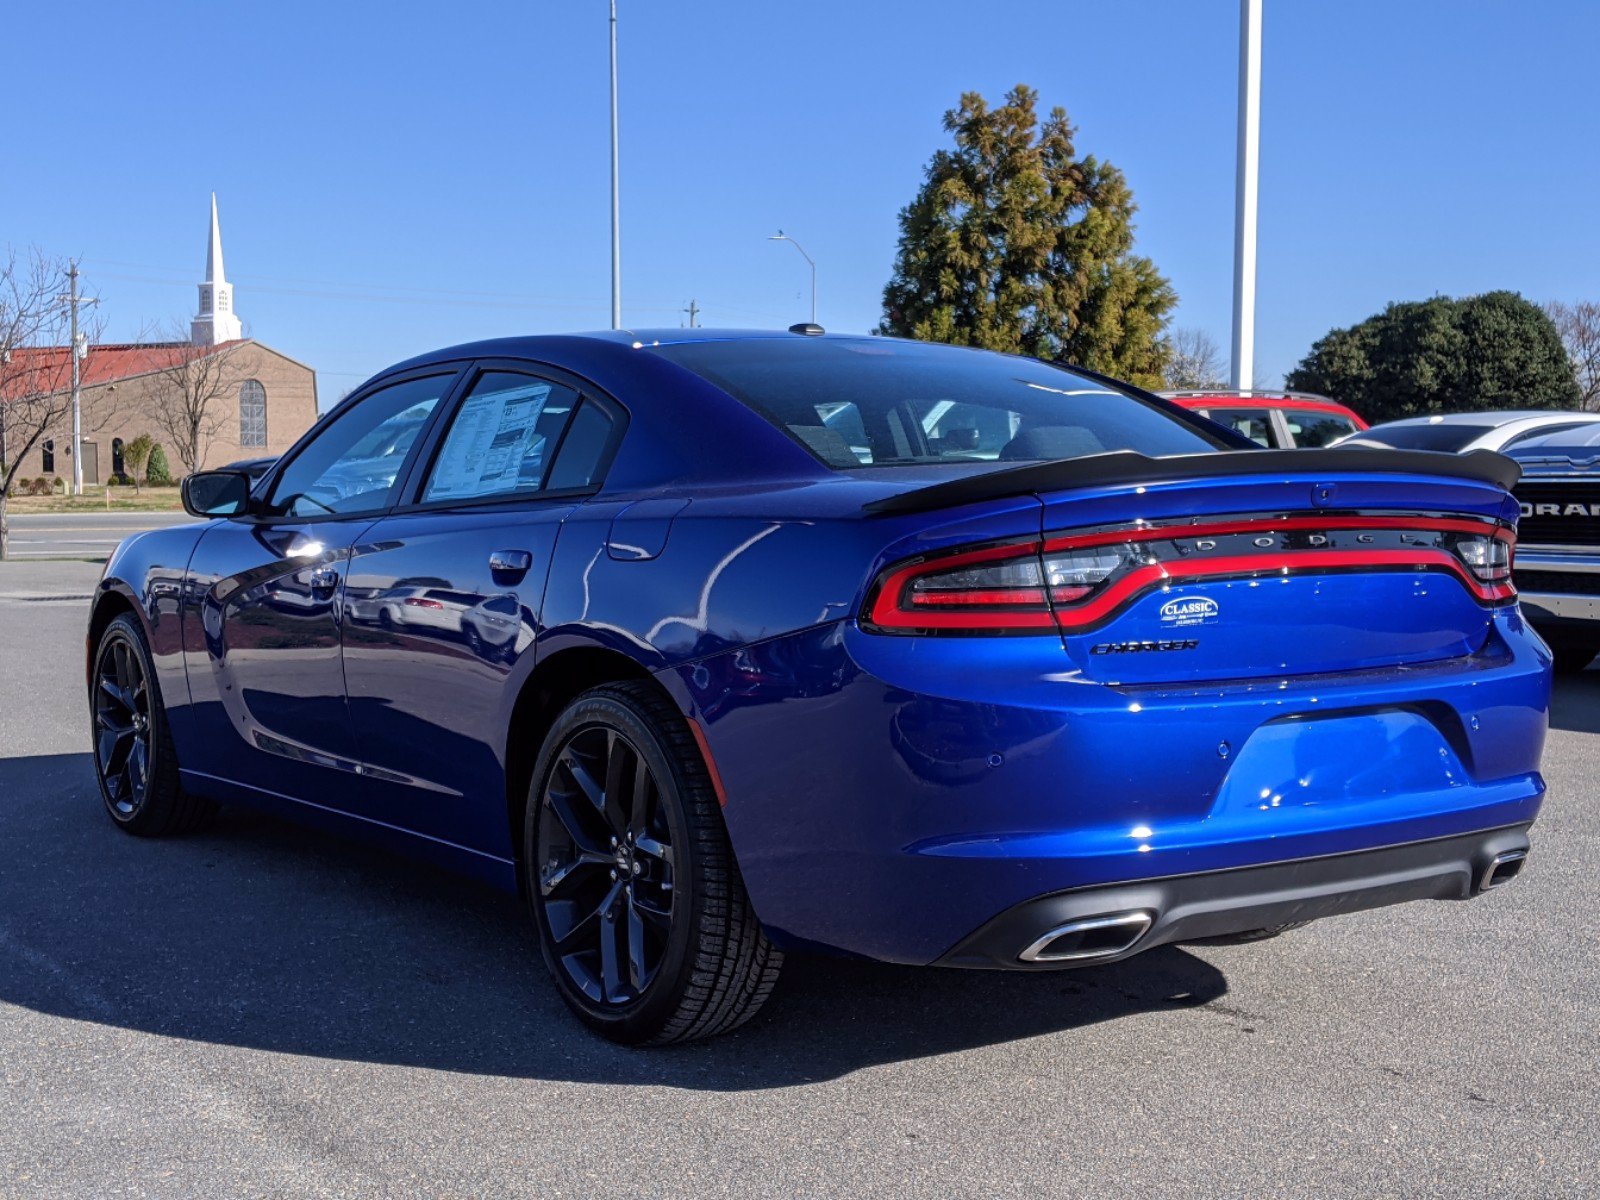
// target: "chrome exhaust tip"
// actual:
[[1502, 868], [1090, 938]]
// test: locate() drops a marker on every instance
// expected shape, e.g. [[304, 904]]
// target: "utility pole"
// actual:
[[77, 388], [1244, 213], [694, 311], [79, 352], [616, 196]]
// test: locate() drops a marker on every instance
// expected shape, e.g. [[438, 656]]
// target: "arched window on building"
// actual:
[[116, 457], [252, 413], [47, 457]]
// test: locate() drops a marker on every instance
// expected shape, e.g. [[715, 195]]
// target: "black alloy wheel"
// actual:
[[122, 726], [135, 762], [606, 867], [642, 914]]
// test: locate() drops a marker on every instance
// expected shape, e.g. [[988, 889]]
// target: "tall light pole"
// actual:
[[780, 236], [616, 194], [1244, 211]]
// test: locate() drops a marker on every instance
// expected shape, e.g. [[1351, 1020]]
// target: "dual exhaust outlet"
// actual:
[[1091, 938]]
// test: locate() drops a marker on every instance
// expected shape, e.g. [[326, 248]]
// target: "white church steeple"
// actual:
[[216, 321]]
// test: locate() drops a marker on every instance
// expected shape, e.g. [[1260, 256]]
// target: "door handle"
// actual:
[[324, 582], [510, 562]]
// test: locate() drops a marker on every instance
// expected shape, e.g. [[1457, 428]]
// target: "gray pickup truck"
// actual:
[[1557, 568]]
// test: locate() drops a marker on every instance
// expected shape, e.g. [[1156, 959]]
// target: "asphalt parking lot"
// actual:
[[264, 1011]]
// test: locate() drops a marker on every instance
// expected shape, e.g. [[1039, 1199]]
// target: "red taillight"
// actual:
[[993, 588], [419, 602], [1078, 581]]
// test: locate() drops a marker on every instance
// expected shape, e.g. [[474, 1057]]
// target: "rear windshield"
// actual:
[[887, 403], [1449, 438]]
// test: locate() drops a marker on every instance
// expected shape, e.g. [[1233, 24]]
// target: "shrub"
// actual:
[[58, 484], [41, 486], [158, 471]]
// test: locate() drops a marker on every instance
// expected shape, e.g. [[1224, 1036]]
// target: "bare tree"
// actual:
[[190, 400], [1195, 363], [35, 364], [1579, 326]]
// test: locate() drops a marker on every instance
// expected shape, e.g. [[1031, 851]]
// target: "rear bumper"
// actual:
[[1039, 934], [888, 796]]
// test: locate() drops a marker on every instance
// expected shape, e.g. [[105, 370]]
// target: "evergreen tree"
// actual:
[[1015, 243], [158, 472], [1442, 355]]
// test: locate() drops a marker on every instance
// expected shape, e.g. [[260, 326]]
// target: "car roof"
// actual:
[[1251, 395], [1494, 418]]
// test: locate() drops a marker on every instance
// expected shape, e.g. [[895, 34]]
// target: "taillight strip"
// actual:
[[888, 611], [1113, 537], [1283, 562]]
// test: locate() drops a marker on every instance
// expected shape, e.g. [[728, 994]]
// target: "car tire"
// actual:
[[642, 915], [1572, 652], [135, 762]]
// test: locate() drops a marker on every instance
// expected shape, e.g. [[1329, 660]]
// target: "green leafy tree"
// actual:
[[159, 472], [1442, 355], [135, 455], [1016, 243]]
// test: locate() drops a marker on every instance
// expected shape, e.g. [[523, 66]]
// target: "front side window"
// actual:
[[252, 413], [47, 457], [355, 460], [501, 438], [876, 402], [117, 464]]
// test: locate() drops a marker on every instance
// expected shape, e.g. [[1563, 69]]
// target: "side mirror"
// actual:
[[216, 493]]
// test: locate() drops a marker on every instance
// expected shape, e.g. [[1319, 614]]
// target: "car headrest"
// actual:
[[827, 444], [1050, 442]]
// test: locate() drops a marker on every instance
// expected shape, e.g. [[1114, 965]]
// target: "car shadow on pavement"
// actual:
[[1575, 703], [260, 934]]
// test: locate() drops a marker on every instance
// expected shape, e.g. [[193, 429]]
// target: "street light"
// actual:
[[1244, 203], [616, 197], [780, 236]]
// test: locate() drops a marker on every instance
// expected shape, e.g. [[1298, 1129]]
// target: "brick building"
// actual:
[[263, 399]]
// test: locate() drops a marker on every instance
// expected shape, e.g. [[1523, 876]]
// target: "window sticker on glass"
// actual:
[[492, 436]]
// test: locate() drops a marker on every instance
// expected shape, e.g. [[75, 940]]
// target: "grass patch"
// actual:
[[150, 499]]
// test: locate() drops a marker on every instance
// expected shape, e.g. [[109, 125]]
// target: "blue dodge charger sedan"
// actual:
[[714, 645]]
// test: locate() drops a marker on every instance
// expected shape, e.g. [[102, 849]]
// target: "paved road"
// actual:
[[265, 1011], [80, 534]]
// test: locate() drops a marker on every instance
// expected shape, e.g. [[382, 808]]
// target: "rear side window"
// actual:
[[877, 402], [582, 453], [501, 438], [1316, 428]]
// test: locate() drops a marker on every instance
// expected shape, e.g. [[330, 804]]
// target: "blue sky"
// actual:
[[399, 176]]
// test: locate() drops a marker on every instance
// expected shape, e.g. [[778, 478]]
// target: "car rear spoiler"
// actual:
[[1130, 467]]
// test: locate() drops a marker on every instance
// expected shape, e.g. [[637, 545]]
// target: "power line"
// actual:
[[459, 299]]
